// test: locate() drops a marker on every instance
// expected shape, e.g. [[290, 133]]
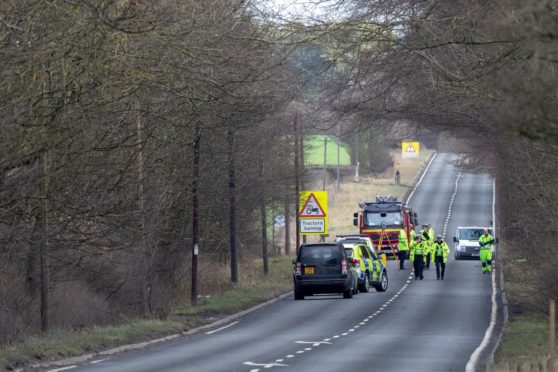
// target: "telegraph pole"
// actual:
[[325, 164], [297, 180], [195, 216]]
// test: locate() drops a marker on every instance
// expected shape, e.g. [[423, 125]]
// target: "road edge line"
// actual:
[[472, 364], [140, 345]]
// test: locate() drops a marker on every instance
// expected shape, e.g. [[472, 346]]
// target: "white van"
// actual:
[[466, 241]]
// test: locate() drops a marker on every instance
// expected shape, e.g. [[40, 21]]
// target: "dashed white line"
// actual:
[[290, 356]]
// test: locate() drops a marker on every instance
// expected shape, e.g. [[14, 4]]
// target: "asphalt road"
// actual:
[[424, 325]]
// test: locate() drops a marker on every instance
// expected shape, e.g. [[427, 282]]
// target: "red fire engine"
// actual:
[[381, 221]]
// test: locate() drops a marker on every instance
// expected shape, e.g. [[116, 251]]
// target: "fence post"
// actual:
[[551, 334]]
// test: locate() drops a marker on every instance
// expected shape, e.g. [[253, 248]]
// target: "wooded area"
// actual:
[[102, 102]]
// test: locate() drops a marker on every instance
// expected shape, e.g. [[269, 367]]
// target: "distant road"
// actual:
[[424, 325]]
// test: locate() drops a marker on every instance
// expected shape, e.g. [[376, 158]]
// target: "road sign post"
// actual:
[[313, 213]]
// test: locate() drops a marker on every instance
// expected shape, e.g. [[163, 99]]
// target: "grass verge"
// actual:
[[60, 344], [524, 343]]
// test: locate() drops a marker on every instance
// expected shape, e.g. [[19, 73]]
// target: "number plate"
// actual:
[[474, 254], [309, 270]]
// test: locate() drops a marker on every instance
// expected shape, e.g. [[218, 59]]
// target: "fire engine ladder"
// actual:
[[383, 235]]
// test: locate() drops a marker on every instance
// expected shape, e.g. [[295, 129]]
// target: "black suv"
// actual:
[[323, 268]]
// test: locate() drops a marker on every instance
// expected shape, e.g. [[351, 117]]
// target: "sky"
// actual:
[[301, 10]]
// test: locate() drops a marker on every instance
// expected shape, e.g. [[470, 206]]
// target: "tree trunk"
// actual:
[[287, 226], [232, 206], [263, 220], [145, 262]]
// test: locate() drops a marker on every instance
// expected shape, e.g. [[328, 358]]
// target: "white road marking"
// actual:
[[290, 356], [336, 336], [344, 334], [308, 349], [254, 370], [314, 343], [62, 369], [451, 205], [220, 329], [98, 361], [265, 365], [474, 359], [327, 339], [300, 352], [279, 360]]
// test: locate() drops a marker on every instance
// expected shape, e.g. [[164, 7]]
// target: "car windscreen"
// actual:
[[379, 219], [321, 255], [471, 234]]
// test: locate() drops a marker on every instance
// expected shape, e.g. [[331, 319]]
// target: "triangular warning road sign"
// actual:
[[410, 148], [312, 208]]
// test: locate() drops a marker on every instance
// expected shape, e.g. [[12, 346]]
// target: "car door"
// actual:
[[377, 267], [367, 260]]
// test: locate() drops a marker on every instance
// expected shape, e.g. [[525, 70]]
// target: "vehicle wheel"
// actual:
[[365, 286], [298, 295], [383, 286], [457, 256], [348, 293]]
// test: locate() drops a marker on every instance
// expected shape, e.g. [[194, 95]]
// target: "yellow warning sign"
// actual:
[[313, 212], [410, 149]]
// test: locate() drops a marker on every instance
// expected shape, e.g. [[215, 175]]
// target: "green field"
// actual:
[[314, 151]]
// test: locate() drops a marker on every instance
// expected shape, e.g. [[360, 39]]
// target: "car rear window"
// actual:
[[321, 254], [349, 252]]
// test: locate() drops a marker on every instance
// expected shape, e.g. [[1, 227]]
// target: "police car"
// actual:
[[371, 271]]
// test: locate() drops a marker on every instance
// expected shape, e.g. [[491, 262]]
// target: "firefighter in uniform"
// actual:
[[417, 255], [403, 248], [485, 242], [440, 257]]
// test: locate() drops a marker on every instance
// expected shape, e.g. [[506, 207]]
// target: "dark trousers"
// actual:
[[402, 257], [428, 261], [440, 265], [418, 265]]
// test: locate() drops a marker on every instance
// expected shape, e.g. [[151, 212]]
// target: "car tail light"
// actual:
[[356, 261], [344, 270], [298, 269]]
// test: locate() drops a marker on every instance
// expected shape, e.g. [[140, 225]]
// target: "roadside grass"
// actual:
[[63, 343], [524, 343]]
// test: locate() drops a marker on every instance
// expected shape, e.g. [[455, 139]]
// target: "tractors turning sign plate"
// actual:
[[313, 212]]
